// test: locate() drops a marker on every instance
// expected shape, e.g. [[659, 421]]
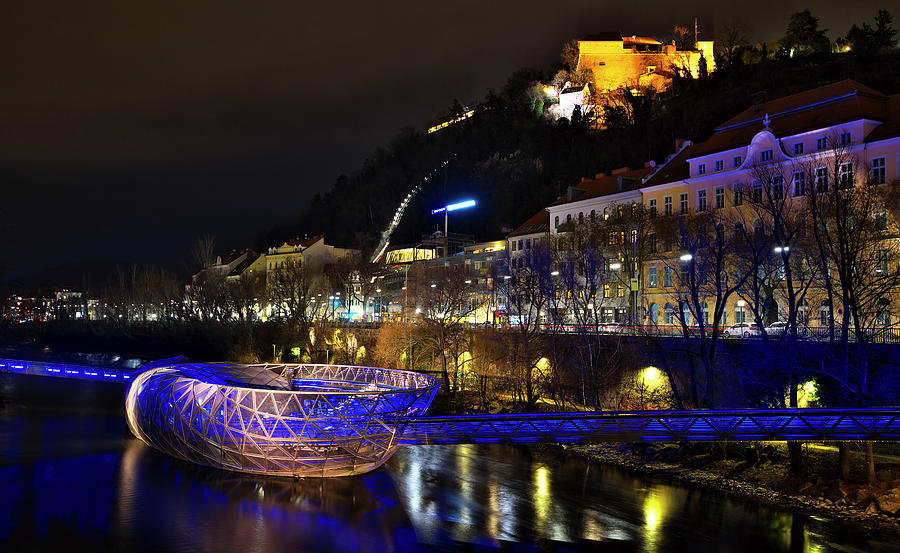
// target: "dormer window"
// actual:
[[821, 144], [845, 138], [765, 155], [798, 148], [736, 161], [720, 164], [701, 169]]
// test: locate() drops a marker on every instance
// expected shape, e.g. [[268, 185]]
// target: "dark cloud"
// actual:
[[127, 129]]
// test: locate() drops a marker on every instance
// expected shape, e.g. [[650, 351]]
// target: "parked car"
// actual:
[[779, 328], [612, 328], [742, 330]]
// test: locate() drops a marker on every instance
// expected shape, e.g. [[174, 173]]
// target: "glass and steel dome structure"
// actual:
[[282, 420]]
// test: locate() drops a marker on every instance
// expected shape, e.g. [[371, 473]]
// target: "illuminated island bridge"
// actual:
[[332, 420]]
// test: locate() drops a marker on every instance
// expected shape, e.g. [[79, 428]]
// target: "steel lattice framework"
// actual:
[[329, 420], [659, 426], [283, 420]]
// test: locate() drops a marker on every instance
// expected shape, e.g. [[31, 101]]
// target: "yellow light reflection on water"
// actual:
[[541, 497]]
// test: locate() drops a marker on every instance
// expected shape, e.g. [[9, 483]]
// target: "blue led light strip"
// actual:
[[57, 370]]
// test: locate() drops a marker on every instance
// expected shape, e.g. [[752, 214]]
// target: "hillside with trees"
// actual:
[[514, 160]]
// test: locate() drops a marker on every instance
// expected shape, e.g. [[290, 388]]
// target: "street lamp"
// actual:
[[615, 266], [446, 210], [686, 257], [779, 249]]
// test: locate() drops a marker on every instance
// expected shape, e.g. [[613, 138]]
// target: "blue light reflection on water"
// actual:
[[73, 478]]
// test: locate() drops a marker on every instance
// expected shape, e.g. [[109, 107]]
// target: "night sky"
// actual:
[[127, 129]]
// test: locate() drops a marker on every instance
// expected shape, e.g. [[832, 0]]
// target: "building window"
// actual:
[[878, 171], [720, 233], [845, 138], [739, 315], [881, 220], [651, 243], [651, 205], [606, 290], [568, 218], [701, 200], [556, 221], [520, 245], [720, 197], [612, 238], [720, 164], [669, 314], [513, 245], [683, 202], [701, 169], [737, 198], [881, 262], [605, 213], [799, 184], [736, 161], [821, 179], [821, 143], [633, 209], [798, 148], [738, 230], [593, 214], [777, 188], [845, 175], [667, 205], [765, 155], [756, 191], [668, 277], [581, 216], [620, 290], [667, 243]]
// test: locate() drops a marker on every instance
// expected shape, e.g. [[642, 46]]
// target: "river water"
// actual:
[[73, 478]]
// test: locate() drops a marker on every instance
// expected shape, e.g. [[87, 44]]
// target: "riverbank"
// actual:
[[760, 472]]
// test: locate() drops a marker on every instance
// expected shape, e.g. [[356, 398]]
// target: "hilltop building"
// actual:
[[618, 61]]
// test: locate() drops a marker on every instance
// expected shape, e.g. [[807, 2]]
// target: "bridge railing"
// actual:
[[62, 370], [663, 426]]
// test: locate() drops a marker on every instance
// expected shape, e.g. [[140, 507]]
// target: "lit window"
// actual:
[[605, 213], [878, 171], [621, 291], [821, 179], [777, 187], [799, 184], [845, 175], [606, 290]]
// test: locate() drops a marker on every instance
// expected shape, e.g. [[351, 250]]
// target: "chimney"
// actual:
[[678, 143], [599, 176]]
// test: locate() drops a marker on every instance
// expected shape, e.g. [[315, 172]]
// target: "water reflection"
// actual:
[[73, 478]]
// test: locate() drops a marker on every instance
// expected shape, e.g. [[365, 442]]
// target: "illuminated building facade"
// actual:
[[618, 61]]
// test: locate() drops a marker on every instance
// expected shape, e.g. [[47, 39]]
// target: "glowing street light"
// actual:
[[554, 273], [686, 257], [615, 266], [446, 210], [785, 249]]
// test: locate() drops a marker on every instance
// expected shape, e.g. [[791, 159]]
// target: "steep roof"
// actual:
[[621, 180], [539, 222], [818, 108]]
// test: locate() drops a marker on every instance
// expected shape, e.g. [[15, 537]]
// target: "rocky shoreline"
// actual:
[[871, 507]]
